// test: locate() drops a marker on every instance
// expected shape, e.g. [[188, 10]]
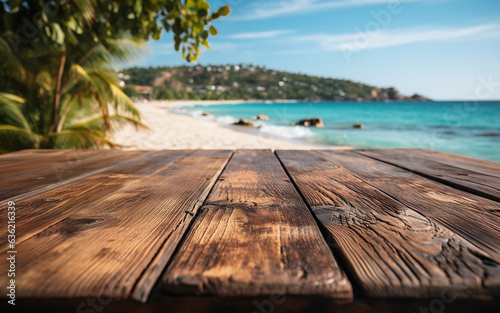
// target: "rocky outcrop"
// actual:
[[261, 117], [206, 114], [391, 94], [311, 122], [419, 98], [244, 122], [358, 126]]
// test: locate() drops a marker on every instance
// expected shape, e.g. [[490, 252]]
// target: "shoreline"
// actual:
[[174, 130], [180, 103]]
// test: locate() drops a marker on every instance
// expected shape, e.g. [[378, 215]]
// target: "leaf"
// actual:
[[14, 138], [204, 35], [202, 4], [57, 34], [12, 97], [202, 12], [213, 31], [138, 7], [72, 24], [157, 35], [10, 111], [80, 139], [222, 11]]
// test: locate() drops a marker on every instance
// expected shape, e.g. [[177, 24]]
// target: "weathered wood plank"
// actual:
[[255, 236], [392, 250], [22, 162], [73, 166], [112, 239], [476, 165], [465, 214], [40, 211], [190, 182], [449, 171]]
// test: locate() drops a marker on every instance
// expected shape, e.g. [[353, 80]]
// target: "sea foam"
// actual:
[[288, 132]]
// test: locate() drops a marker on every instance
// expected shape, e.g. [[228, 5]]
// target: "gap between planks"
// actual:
[[480, 178], [150, 277], [386, 245], [81, 233], [255, 236]]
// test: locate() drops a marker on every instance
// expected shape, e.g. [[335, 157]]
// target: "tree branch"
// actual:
[[64, 114], [89, 52], [57, 100]]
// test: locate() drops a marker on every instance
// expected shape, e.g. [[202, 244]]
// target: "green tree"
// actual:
[[57, 89], [131, 92], [163, 94]]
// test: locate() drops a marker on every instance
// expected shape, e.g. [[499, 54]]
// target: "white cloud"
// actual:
[[260, 35], [385, 38], [270, 9]]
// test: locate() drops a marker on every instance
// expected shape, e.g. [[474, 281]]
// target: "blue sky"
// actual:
[[444, 49]]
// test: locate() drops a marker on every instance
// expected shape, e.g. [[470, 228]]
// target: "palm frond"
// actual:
[[14, 138], [101, 90], [117, 121], [122, 103], [10, 111], [117, 51], [10, 64], [80, 139], [86, 9]]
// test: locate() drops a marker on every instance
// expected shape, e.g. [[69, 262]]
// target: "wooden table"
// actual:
[[252, 231]]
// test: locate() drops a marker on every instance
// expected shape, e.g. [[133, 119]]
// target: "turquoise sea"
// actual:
[[465, 128]]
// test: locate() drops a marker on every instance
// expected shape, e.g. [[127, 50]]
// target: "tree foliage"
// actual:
[[57, 88], [246, 81]]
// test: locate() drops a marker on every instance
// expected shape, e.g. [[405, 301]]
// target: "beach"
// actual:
[[170, 130]]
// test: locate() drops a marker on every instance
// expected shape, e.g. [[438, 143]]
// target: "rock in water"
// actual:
[[261, 117], [244, 122], [358, 126], [206, 114], [490, 134], [419, 98], [311, 122]]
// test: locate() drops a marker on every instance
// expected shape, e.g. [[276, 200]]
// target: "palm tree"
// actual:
[[56, 86], [90, 102]]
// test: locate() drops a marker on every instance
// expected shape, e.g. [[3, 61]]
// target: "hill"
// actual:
[[230, 82]]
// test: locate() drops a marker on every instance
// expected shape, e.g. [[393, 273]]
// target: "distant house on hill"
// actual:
[[146, 92]]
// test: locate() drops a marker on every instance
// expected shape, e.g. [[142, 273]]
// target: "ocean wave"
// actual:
[[226, 119], [199, 114], [288, 132], [180, 110]]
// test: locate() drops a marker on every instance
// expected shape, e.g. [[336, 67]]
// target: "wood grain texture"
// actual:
[[22, 162], [476, 165], [454, 171], [390, 249], [189, 183], [117, 225], [40, 211], [255, 236], [463, 213], [59, 171]]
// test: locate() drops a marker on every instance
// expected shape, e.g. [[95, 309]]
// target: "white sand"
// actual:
[[169, 130]]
